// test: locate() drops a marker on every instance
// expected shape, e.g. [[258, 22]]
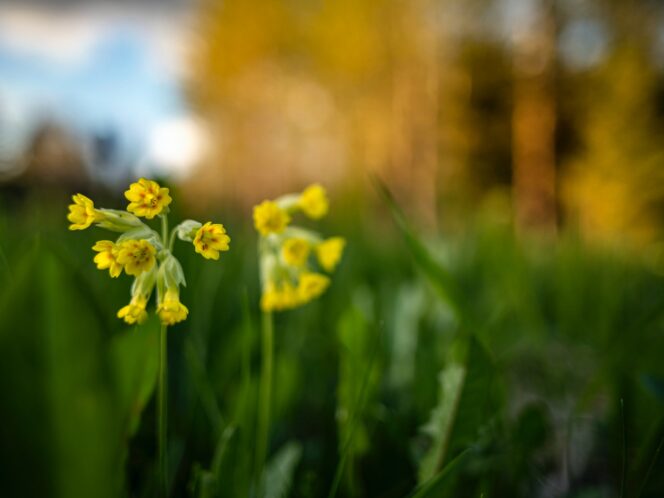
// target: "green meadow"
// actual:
[[473, 364]]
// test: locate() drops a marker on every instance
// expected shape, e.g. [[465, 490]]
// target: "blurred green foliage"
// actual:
[[527, 369]]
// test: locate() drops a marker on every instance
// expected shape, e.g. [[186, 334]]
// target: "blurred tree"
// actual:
[[614, 189], [439, 99], [325, 91], [476, 157], [534, 121]]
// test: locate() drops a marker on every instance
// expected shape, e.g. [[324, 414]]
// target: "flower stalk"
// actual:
[[162, 390], [141, 252], [161, 412], [265, 394], [289, 259]]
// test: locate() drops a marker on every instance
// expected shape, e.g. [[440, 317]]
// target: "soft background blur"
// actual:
[[524, 139]]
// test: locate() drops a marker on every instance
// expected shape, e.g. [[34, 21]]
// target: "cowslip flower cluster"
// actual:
[[289, 254], [143, 253]]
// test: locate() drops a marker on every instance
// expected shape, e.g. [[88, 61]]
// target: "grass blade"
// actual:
[[354, 421], [435, 486], [438, 276]]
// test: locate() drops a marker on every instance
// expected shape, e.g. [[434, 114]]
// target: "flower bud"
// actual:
[[187, 230]]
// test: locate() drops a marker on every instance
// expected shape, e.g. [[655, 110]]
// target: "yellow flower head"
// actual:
[[210, 239], [286, 269], [146, 198], [136, 256], [313, 201], [145, 254], [295, 251], [171, 310], [107, 257], [311, 285], [270, 218], [82, 213], [329, 252], [134, 312]]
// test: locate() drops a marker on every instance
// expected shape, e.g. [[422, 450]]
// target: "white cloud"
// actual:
[[28, 31], [177, 145], [68, 36]]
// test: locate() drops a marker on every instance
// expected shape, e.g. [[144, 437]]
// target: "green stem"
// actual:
[[623, 472], [171, 242], [265, 394], [161, 413], [164, 229]]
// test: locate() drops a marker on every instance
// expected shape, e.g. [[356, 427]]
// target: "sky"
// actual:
[[99, 69]]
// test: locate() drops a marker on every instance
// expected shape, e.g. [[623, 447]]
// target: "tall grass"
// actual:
[[476, 366]]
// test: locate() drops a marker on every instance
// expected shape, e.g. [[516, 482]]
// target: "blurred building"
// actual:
[[53, 158]]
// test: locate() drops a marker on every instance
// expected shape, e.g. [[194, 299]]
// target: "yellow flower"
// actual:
[[136, 256], [270, 298], [289, 298], [210, 239], [270, 218], [311, 285], [329, 252], [279, 298], [295, 251], [82, 213], [134, 312], [171, 310], [313, 201], [107, 257], [146, 198]]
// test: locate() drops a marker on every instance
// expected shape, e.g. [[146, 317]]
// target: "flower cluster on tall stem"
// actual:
[[292, 261], [147, 255]]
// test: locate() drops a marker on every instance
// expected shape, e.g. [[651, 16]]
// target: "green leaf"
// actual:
[[134, 357], [280, 469], [466, 403], [27, 437], [171, 272], [83, 415], [87, 387]]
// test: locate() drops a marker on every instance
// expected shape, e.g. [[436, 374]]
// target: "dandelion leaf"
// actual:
[[465, 406]]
